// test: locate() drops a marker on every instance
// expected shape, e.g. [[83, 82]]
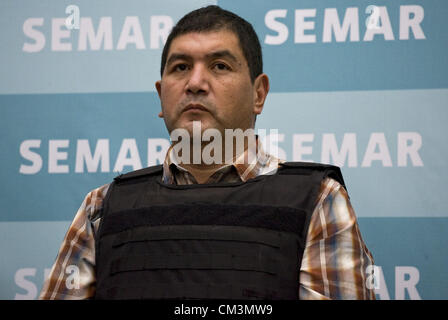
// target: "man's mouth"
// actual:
[[195, 107]]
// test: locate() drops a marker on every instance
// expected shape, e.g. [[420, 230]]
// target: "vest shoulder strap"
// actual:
[[305, 168], [140, 173]]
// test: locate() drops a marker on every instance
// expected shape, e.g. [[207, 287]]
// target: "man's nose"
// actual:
[[198, 80]]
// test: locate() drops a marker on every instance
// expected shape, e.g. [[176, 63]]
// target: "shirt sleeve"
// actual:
[[335, 259], [72, 276]]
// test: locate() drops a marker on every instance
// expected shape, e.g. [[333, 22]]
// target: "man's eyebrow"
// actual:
[[212, 55], [177, 56], [222, 54]]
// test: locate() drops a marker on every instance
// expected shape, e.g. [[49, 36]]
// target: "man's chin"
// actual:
[[194, 128]]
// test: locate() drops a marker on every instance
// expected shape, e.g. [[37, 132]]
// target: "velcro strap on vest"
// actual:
[[208, 261], [216, 233]]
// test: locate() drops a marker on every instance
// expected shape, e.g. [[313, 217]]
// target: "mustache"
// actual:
[[197, 100]]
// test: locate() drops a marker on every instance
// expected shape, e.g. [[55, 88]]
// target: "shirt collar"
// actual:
[[246, 166]]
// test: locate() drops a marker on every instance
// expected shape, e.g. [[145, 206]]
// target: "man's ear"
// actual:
[[159, 87], [261, 89], [159, 92]]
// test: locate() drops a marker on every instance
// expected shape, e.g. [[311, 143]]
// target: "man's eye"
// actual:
[[221, 66], [180, 67]]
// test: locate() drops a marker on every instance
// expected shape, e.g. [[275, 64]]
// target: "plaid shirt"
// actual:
[[334, 261]]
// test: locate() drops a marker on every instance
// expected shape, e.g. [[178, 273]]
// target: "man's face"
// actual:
[[206, 78]]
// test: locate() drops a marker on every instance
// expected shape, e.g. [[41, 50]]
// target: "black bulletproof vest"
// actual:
[[206, 241]]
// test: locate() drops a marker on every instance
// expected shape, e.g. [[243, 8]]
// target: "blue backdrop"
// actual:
[[360, 84]]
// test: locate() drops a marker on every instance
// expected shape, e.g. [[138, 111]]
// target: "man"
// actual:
[[244, 226]]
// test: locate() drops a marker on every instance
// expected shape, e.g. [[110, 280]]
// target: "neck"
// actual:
[[210, 162], [202, 173]]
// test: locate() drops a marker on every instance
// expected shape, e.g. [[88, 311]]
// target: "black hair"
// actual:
[[214, 18]]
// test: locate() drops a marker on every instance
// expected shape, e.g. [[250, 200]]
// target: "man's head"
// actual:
[[212, 72], [213, 18]]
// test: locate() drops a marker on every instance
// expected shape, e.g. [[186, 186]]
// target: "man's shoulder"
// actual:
[[94, 199], [99, 192]]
